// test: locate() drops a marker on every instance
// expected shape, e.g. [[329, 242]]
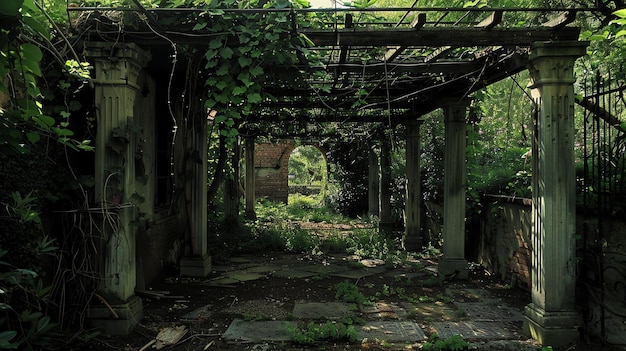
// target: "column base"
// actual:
[[551, 328], [385, 227], [129, 314], [412, 242], [195, 266], [250, 215], [453, 268]]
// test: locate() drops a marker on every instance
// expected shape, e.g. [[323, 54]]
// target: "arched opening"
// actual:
[[308, 172]]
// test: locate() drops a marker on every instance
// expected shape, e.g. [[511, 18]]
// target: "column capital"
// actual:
[[413, 127], [113, 51], [569, 48], [454, 108], [454, 101], [109, 57], [553, 62]]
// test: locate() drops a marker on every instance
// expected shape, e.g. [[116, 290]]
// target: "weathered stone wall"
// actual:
[[505, 250], [504, 246], [271, 164], [603, 264], [158, 246]]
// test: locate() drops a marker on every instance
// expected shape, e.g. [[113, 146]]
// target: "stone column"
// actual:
[[412, 240], [453, 263], [117, 69], [373, 184], [250, 178], [231, 187], [197, 263], [385, 224], [551, 318]]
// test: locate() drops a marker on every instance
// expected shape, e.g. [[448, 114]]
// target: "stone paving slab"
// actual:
[[359, 273], [475, 330], [257, 331], [322, 310], [264, 268], [437, 310], [321, 269], [293, 274], [198, 315], [383, 310], [221, 281], [489, 311], [391, 331], [244, 275], [408, 275]]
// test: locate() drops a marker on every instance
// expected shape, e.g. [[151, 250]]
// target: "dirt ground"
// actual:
[[272, 297]]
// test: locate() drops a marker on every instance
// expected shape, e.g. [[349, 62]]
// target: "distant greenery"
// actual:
[[307, 166], [278, 229]]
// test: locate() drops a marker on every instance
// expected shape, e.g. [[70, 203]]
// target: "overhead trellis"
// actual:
[[368, 67]]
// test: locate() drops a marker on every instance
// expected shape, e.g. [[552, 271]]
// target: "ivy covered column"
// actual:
[[250, 178], [373, 184], [117, 71], [551, 318], [453, 262], [385, 224], [412, 240]]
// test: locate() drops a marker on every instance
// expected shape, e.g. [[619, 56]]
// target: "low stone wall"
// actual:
[[158, 246], [304, 190], [505, 249], [504, 245], [602, 277]]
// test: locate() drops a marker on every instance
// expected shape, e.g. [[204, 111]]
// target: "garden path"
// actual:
[[251, 303]]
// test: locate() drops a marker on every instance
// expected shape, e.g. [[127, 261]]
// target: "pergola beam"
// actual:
[[438, 37]]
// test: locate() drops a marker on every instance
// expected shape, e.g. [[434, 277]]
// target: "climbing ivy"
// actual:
[[241, 49]]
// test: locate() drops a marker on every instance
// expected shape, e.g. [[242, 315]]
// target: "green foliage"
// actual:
[[348, 292], [23, 208], [22, 296], [349, 161], [313, 332], [371, 243], [236, 70], [453, 343], [308, 166], [25, 119]]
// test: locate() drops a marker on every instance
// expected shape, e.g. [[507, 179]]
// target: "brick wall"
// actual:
[[271, 169]]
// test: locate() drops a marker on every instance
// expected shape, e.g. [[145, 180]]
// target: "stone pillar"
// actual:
[[117, 69], [373, 184], [453, 263], [197, 263], [231, 187], [385, 224], [412, 240], [551, 318], [250, 179]]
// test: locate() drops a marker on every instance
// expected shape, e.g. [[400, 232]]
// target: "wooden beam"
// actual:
[[394, 52], [437, 53], [562, 20], [437, 37], [493, 20], [433, 67]]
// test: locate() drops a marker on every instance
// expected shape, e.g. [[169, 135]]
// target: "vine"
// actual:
[[239, 54]]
